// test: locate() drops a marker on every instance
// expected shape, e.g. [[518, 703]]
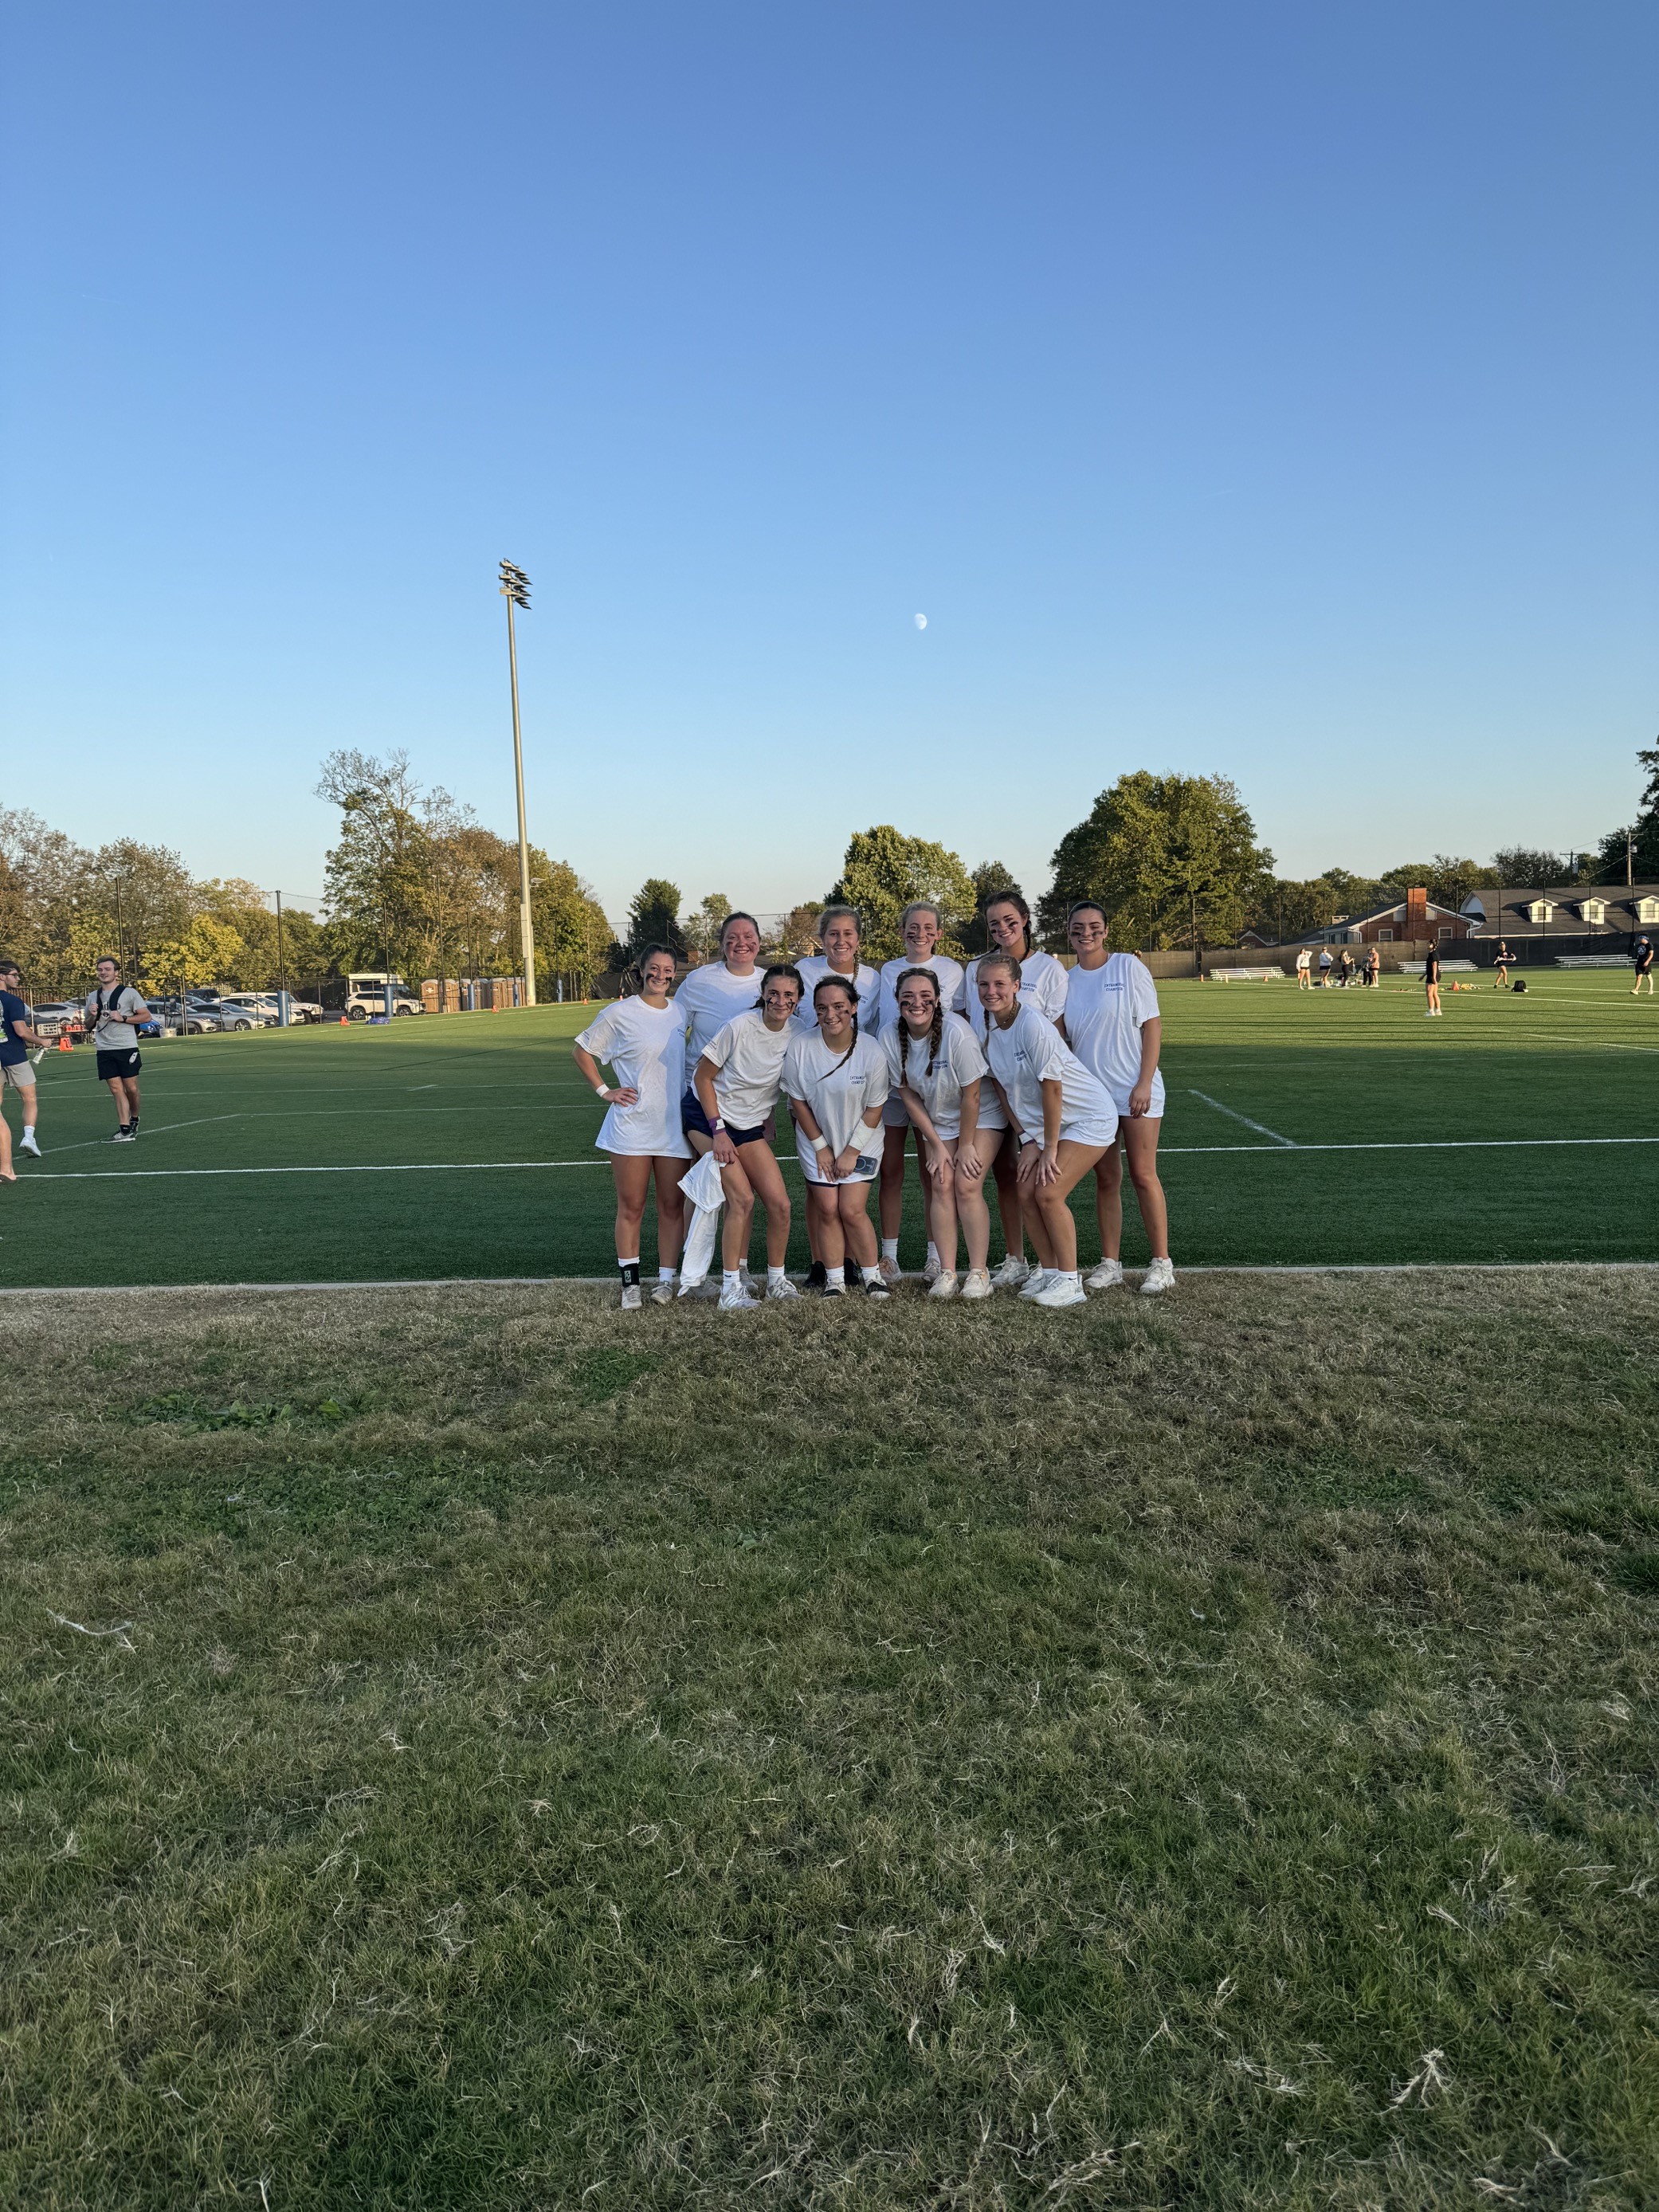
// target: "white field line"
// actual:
[[609, 1282], [789, 1159], [92, 1143], [1261, 1128]]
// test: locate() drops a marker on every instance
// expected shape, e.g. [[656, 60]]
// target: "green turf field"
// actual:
[[1327, 1126]]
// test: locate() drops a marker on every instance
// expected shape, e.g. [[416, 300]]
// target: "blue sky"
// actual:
[[1262, 389]]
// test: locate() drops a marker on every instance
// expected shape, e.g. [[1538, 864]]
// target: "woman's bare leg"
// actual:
[[892, 1179], [765, 1182], [1011, 1200], [824, 1220], [740, 1212], [671, 1209], [972, 1211], [1048, 1204], [1108, 1198], [631, 1172], [853, 1208], [1140, 1143]]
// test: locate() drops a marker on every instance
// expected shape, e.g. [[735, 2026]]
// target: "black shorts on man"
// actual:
[[124, 1063], [694, 1120]]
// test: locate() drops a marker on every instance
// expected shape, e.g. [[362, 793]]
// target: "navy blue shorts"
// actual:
[[693, 1120]]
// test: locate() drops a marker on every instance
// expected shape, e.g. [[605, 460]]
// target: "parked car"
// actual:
[[260, 1007], [59, 1018], [184, 1020], [303, 1010], [366, 995]]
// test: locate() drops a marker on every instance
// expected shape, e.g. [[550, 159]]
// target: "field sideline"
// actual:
[[1325, 1127]]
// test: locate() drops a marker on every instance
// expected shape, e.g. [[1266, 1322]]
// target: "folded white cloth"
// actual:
[[706, 1194]]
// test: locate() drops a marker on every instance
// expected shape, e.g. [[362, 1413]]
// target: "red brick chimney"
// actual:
[[1417, 913]]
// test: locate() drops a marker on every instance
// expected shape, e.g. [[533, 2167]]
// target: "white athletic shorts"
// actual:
[[21, 1076], [1099, 1131], [1119, 1094]]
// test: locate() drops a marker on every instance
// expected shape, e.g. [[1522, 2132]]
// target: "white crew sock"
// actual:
[[666, 1275], [774, 1275], [933, 1250], [731, 1279], [890, 1247], [872, 1274]]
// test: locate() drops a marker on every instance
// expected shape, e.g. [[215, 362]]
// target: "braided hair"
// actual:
[[840, 983], [936, 1033]]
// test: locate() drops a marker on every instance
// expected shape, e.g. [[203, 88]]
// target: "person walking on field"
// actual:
[[643, 1038], [1644, 965], [1432, 981], [1373, 968], [1501, 962], [113, 1011], [1304, 970], [17, 1073], [1326, 963]]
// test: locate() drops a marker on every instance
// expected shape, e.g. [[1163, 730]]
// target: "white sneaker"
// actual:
[[1037, 1282], [1160, 1276], [735, 1299], [702, 1288], [1012, 1271], [26, 1144], [932, 1268], [978, 1283], [1106, 1277], [944, 1284], [836, 1287], [891, 1270], [785, 1289], [1061, 1290], [633, 1298], [662, 1294]]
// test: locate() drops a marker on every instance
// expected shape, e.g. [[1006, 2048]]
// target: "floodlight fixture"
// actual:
[[514, 589]]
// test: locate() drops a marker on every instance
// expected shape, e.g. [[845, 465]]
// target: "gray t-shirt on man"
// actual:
[[110, 1035]]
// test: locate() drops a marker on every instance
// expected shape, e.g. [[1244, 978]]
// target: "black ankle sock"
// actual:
[[630, 1273]]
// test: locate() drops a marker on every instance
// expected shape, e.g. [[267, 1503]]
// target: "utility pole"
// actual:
[[282, 970], [515, 590]]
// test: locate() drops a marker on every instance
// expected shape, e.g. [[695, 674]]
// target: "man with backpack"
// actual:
[[113, 1011]]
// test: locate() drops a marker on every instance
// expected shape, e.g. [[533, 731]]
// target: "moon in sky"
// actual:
[[921, 622]]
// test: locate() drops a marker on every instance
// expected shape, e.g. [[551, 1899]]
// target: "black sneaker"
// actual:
[[817, 1275], [875, 1288], [122, 1135]]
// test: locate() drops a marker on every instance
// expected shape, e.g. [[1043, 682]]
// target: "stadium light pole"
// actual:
[[515, 590]]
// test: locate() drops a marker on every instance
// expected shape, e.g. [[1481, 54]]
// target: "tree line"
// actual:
[[417, 882]]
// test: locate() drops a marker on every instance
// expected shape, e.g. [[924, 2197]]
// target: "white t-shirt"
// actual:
[[645, 1048], [750, 1059], [1032, 1051], [1305, 958], [840, 1091], [708, 1000], [949, 972], [960, 1062], [112, 1035], [1105, 1008], [866, 981], [1042, 986]]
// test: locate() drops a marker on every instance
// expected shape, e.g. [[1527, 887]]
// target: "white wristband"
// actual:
[[820, 1143], [601, 1089]]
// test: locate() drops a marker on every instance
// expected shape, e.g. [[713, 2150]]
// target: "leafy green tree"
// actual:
[[376, 876], [702, 929], [989, 878], [572, 932], [207, 951], [1520, 866], [1172, 859], [1447, 881], [653, 918], [884, 871], [1637, 844]]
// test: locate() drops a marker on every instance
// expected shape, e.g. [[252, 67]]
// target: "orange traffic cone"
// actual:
[[64, 1045], [345, 1021]]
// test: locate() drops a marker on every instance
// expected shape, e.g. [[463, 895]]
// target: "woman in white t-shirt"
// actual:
[[1060, 1115], [1042, 985], [919, 928], [1113, 1025], [708, 998], [834, 1076], [839, 933], [738, 1079], [643, 1042], [937, 1066]]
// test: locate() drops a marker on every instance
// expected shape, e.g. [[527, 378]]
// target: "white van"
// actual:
[[366, 995]]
